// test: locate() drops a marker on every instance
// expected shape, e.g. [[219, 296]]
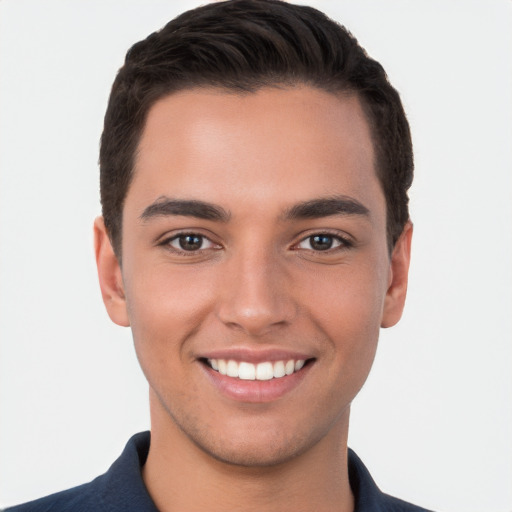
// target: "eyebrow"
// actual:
[[166, 206], [325, 207], [313, 209]]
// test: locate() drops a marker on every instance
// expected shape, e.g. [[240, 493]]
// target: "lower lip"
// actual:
[[255, 391]]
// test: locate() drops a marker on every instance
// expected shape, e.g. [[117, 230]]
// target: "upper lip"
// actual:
[[255, 356]]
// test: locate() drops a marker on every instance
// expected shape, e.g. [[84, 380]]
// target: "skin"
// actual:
[[257, 283]]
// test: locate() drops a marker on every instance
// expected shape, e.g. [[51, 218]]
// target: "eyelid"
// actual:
[[165, 241], [345, 241], [204, 239]]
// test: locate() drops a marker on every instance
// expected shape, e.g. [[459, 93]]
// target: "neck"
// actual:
[[181, 476]]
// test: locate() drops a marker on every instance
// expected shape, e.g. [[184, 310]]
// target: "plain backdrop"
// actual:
[[434, 421]]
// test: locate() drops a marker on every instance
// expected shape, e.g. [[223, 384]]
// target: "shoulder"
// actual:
[[392, 504], [368, 497], [121, 488], [78, 499]]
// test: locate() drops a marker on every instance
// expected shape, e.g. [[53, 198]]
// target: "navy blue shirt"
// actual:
[[121, 488]]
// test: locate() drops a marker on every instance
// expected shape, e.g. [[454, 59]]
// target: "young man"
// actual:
[[255, 235]]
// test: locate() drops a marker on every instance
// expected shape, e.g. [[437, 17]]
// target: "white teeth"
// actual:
[[232, 369], [279, 369], [264, 371], [261, 371], [246, 371], [222, 366]]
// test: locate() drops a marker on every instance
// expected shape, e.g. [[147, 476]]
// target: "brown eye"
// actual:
[[190, 242], [322, 242]]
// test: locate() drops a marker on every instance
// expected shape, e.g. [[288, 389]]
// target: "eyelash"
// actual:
[[343, 243], [167, 243]]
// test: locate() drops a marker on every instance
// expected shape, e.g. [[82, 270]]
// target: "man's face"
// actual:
[[254, 242]]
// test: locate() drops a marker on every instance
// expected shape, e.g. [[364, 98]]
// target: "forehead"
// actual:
[[270, 147]]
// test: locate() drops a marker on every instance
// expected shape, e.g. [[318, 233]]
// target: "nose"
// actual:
[[256, 297]]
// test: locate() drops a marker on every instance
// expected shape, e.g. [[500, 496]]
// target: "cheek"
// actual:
[[347, 306], [351, 295], [169, 296], [166, 306]]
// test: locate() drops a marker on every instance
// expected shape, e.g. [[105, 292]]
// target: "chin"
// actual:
[[264, 452], [256, 444]]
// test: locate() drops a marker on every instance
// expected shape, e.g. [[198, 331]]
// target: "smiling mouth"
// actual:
[[266, 370]]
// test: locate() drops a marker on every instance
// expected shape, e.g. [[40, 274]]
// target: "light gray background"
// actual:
[[434, 421]]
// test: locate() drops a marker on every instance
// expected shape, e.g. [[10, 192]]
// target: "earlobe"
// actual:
[[399, 273], [109, 274]]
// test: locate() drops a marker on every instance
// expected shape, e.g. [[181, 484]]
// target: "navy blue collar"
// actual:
[[124, 482], [121, 488]]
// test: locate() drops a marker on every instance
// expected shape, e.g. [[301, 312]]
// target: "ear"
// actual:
[[109, 274], [397, 284]]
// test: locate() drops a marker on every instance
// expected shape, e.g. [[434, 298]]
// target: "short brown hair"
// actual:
[[244, 45]]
